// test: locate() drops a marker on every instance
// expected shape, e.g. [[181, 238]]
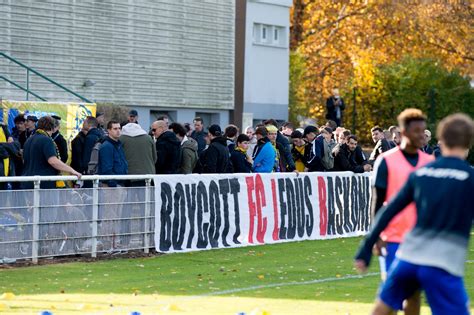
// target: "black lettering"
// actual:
[[290, 197], [310, 216], [179, 220], [191, 204], [234, 190], [166, 208], [224, 189], [331, 207], [202, 206], [215, 206], [299, 207], [339, 215], [283, 212]]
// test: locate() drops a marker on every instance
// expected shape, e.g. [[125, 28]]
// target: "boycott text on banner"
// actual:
[[232, 210]]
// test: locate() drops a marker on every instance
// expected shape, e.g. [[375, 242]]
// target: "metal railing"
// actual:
[[27, 88], [38, 223]]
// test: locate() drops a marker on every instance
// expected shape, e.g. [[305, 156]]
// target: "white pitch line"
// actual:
[[285, 284]]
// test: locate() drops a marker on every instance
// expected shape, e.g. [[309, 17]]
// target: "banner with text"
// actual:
[[232, 210]]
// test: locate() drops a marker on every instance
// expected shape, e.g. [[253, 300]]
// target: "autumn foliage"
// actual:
[[350, 44]]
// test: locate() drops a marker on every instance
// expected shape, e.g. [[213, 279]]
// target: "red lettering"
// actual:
[[252, 212], [260, 197], [276, 229], [323, 211]]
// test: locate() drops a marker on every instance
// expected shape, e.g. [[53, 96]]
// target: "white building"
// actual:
[[266, 60], [167, 56]]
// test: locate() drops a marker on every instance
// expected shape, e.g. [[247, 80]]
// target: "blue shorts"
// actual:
[[445, 292], [391, 251]]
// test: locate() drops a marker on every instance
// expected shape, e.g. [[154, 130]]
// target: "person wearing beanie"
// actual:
[[314, 149]]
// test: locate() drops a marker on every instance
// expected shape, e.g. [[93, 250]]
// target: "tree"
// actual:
[[339, 41]]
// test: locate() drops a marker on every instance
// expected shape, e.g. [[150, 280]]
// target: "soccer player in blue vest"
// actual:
[[433, 254]]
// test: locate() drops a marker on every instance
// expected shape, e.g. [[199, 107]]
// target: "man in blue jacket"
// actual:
[[264, 154], [112, 159], [433, 254]]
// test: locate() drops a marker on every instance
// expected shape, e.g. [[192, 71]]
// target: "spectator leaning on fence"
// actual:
[[112, 159], [140, 152], [41, 156], [264, 155], [189, 147], [343, 160]]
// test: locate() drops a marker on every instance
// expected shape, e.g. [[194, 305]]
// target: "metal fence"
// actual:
[[40, 223]]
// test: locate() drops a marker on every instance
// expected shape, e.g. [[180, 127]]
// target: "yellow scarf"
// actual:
[[6, 162]]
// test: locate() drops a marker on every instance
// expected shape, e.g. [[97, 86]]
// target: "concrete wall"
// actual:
[[143, 53], [267, 62]]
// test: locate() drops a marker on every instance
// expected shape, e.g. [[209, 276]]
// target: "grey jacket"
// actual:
[[189, 156], [139, 149]]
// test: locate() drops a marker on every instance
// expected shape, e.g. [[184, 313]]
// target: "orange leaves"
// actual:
[[341, 41]]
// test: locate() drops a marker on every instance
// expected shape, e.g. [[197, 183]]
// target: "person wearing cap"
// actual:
[[216, 158], [283, 161], [133, 116], [427, 147], [59, 139], [314, 149], [30, 125], [283, 146], [263, 155]]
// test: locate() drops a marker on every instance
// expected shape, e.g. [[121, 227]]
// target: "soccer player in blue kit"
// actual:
[[433, 254]]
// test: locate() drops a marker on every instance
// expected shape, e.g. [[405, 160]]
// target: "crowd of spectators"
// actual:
[[36, 147]]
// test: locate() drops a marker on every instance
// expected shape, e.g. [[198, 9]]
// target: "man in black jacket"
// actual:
[[343, 160], [58, 138], [335, 106], [168, 148], [381, 144], [215, 159]]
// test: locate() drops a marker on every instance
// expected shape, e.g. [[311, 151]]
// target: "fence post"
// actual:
[[95, 216], [146, 235], [27, 84], [36, 217]]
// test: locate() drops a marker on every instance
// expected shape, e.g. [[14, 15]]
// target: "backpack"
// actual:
[[93, 165], [328, 159]]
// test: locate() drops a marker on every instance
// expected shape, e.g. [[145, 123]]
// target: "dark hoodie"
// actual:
[[215, 159], [168, 151], [92, 137]]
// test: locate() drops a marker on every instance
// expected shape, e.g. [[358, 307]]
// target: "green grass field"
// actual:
[[313, 277]]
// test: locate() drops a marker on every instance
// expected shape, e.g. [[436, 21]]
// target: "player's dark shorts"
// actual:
[[445, 292]]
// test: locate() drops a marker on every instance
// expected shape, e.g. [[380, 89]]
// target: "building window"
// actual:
[[269, 35]]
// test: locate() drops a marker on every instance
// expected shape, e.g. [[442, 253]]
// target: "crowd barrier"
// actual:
[[178, 213]]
